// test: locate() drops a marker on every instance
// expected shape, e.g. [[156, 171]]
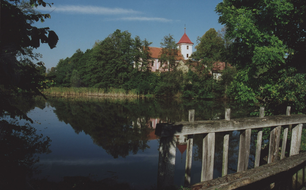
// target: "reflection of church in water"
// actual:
[[181, 141]]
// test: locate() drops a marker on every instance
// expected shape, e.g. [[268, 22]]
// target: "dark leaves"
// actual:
[[52, 39]]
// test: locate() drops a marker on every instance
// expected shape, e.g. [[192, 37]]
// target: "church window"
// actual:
[[187, 47], [187, 54]]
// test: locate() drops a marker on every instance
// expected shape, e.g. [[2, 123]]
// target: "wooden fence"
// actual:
[[171, 133]]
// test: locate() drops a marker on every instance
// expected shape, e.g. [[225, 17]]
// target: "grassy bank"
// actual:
[[84, 91]]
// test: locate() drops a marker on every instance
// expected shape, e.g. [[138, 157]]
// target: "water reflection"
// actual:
[[121, 129], [19, 145]]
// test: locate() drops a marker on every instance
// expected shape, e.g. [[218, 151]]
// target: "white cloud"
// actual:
[[144, 19], [76, 9], [88, 10]]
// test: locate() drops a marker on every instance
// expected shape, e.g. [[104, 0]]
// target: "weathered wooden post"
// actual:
[[288, 110], [208, 157], [296, 139], [285, 135], [288, 114], [226, 144], [244, 150], [274, 144], [228, 114], [259, 139], [188, 161], [191, 115]]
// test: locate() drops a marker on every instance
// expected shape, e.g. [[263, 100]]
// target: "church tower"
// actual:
[[185, 46]]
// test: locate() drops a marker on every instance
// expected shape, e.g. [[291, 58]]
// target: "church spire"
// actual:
[[185, 45]]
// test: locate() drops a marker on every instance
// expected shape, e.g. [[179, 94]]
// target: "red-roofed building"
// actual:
[[185, 50], [155, 54]]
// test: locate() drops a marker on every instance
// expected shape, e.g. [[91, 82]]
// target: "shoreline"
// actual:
[[92, 92]]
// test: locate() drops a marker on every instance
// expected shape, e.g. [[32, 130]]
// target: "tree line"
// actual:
[[120, 61]]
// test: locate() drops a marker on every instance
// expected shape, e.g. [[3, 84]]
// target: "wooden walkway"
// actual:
[[184, 131]]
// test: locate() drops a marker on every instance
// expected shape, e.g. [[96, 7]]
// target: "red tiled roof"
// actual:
[[156, 52], [185, 39]]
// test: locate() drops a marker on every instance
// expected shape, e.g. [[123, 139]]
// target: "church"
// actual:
[[185, 50], [185, 47]]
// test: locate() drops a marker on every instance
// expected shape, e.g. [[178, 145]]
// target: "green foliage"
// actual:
[[169, 53], [198, 86], [118, 61], [210, 48], [65, 67], [19, 75], [169, 84], [75, 79], [268, 50]]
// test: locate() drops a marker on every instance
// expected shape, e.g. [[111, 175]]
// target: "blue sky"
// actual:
[[80, 23]]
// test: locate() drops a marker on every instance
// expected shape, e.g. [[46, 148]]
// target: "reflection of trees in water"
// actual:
[[19, 147], [121, 126], [116, 126], [19, 106]]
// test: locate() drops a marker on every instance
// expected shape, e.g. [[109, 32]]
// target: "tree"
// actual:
[[117, 61], [210, 49], [111, 61], [141, 53], [169, 53], [269, 50], [75, 79], [65, 67], [18, 74]]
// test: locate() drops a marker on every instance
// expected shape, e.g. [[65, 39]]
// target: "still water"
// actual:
[[113, 141]]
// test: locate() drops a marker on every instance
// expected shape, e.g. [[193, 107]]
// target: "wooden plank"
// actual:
[[225, 154], [228, 114], [262, 112], [296, 139], [274, 144], [257, 176], [288, 110], [208, 157], [284, 143], [188, 161], [258, 148], [244, 150], [213, 126]]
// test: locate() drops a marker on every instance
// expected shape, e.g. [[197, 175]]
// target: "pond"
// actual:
[[112, 143]]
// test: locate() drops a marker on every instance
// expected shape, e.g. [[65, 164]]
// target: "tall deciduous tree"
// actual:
[[210, 49], [18, 36], [269, 49], [169, 53]]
